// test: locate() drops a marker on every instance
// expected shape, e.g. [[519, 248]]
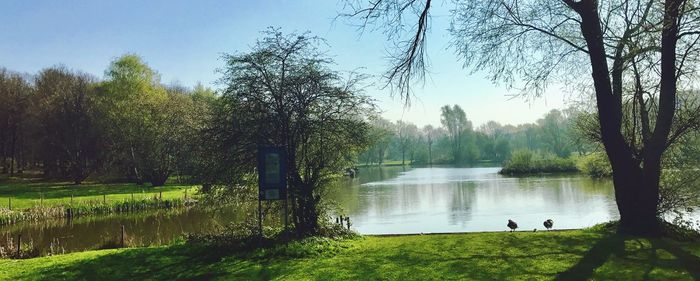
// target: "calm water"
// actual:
[[379, 200], [471, 199]]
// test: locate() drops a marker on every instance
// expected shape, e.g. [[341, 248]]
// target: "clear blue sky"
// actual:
[[184, 40]]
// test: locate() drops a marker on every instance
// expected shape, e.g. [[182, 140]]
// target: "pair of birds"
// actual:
[[547, 224]]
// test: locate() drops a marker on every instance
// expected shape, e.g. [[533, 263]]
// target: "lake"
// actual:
[[393, 200], [387, 200]]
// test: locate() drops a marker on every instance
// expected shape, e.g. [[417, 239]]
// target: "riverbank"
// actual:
[[29, 199], [563, 255]]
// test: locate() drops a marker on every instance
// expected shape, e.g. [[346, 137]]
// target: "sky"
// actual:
[[184, 42]]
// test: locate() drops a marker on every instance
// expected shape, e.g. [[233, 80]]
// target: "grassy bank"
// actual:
[[27, 199], [565, 255], [525, 162], [26, 193]]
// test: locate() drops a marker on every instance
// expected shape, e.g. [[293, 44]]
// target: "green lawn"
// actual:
[[565, 255], [27, 192]]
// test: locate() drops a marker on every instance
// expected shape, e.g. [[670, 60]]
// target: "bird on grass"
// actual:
[[548, 224], [512, 225]]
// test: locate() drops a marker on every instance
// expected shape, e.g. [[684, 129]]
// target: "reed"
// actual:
[[90, 207]]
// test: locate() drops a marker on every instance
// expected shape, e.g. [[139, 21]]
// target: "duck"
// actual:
[[512, 225], [548, 224]]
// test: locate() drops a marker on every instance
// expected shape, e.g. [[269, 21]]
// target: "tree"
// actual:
[[554, 133], [15, 93], [636, 50], [283, 93], [67, 132], [406, 134], [430, 134], [455, 122], [176, 125], [130, 99]]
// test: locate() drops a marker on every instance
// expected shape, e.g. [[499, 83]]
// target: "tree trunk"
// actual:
[[636, 188], [430, 155], [137, 175]]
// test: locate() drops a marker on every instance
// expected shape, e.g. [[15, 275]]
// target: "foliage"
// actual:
[[68, 125], [283, 93], [554, 133], [529, 162], [595, 164], [68, 136]]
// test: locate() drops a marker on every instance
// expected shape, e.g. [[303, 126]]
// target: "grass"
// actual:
[[32, 199], [560, 255], [26, 193], [525, 162]]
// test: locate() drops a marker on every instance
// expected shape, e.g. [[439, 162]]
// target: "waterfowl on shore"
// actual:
[[548, 224], [512, 225]]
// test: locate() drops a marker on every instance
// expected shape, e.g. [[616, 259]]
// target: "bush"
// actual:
[[529, 162], [679, 195], [595, 164]]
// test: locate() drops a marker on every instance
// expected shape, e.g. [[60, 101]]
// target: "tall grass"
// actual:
[[92, 207], [530, 162]]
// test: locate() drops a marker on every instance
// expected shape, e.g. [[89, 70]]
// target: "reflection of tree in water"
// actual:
[[463, 200], [374, 174]]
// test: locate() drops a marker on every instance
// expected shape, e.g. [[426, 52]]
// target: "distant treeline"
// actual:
[[458, 142], [129, 126]]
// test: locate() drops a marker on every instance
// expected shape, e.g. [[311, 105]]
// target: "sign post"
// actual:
[[272, 179]]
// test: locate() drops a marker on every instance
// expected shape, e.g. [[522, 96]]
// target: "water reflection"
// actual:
[[378, 200], [472, 199]]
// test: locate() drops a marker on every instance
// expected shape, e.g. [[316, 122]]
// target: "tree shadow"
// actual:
[[614, 245], [690, 262], [168, 263], [594, 258]]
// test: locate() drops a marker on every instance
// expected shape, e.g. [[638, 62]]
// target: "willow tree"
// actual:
[[632, 50], [283, 93]]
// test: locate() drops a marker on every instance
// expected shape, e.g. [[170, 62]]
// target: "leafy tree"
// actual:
[[176, 125], [458, 129], [430, 135], [283, 93], [554, 133], [130, 99], [67, 132], [407, 135], [15, 94]]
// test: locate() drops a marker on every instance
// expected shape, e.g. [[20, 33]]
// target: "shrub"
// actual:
[[595, 164], [529, 162]]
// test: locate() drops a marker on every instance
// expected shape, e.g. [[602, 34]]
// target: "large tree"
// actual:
[[633, 50], [132, 99], [66, 130], [15, 94], [459, 130], [283, 93]]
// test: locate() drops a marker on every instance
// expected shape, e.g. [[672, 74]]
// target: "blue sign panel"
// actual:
[[272, 171]]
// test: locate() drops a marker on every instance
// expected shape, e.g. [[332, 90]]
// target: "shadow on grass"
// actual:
[[612, 249], [168, 263], [479, 257], [594, 258], [690, 262]]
